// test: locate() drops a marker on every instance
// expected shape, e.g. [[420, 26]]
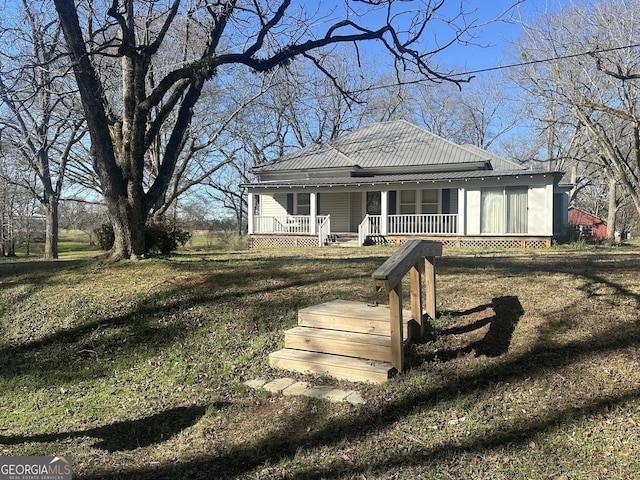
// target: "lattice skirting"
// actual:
[[481, 242], [285, 241], [298, 241]]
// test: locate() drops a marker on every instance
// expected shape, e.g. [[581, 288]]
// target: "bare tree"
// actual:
[[39, 119], [477, 114], [594, 84], [301, 106], [209, 145], [257, 35], [19, 223]]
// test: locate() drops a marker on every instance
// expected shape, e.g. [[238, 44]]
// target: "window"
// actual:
[[430, 201], [304, 204], [492, 212], [516, 198], [504, 210], [374, 203], [407, 202]]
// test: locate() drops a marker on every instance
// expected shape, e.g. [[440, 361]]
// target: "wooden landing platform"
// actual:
[[344, 339], [350, 316]]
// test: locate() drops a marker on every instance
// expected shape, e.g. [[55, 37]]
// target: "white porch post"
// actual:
[[250, 212], [384, 212], [462, 211], [313, 207]]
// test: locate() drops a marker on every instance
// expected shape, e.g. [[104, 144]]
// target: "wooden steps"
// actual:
[[363, 342], [344, 339], [345, 368], [361, 345], [349, 316]]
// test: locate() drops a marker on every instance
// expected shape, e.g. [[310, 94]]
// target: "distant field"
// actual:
[[136, 369], [77, 244]]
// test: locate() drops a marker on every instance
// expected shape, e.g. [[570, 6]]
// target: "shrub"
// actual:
[[160, 238]]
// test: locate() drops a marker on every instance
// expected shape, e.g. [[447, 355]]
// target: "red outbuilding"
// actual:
[[587, 226]]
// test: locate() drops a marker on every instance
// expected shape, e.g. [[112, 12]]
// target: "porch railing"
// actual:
[[425, 224], [293, 225], [421, 224], [370, 225], [324, 230]]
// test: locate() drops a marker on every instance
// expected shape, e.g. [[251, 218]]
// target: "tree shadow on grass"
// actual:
[[514, 436], [242, 460], [129, 434], [155, 321], [295, 436], [507, 312]]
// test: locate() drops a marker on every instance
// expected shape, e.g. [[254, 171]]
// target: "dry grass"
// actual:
[[136, 369]]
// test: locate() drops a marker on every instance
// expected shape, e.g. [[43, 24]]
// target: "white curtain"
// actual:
[[516, 209], [492, 212]]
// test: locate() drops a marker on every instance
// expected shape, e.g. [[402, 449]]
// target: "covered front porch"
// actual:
[[366, 214], [371, 225]]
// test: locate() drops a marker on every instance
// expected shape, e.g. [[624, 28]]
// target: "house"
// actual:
[[391, 181], [586, 226]]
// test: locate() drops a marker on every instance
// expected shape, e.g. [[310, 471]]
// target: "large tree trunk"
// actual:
[[125, 211], [51, 230], [129, 238], [128, 219]]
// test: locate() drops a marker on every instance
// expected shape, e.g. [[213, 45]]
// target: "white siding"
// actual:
[[453, 200], [336, 205], [356, 210], [472, 214], [273, 205]]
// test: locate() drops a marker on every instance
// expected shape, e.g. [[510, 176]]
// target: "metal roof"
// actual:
[[403, 178], [382, 145], [498, 163]]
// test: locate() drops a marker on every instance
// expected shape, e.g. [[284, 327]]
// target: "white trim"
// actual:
[[251, 212], [462, 212], [313, 211], [384, 212]]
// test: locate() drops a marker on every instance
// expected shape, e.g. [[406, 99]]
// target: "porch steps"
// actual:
[[343, 240], [344, 339]]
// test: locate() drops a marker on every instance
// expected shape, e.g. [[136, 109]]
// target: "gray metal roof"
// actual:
[[382, 145], [403, 178], [498, 163]]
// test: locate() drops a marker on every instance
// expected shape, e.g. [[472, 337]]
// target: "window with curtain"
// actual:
[[504, 210], [429, 201], [407, 202], [517, 206], [304, 204], [492, 210]]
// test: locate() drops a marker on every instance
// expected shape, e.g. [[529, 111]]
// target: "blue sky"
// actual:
[[494, 37], [491, 36]]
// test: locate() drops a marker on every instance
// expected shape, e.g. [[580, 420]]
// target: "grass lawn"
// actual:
[[136, 369]]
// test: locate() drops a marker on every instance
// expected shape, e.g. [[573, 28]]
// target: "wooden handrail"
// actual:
[[416, 257], [394, 269]]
